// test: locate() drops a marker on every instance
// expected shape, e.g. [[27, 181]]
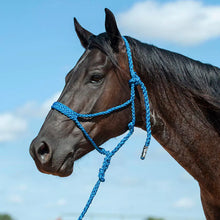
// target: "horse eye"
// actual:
[[96, 78]]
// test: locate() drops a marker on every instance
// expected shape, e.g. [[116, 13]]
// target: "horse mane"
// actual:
[[198, 82]]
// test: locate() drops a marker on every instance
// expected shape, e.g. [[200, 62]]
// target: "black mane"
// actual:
[[199, 81]]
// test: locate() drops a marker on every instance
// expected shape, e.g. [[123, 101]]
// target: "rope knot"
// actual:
[[104, 167], [130, 125], [135, 80], [73, 115], [101, 175]]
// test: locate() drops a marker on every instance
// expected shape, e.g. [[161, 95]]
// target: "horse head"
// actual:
[[98, 82]]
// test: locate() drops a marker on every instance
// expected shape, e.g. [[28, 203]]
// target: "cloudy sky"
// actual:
[[38, 47]]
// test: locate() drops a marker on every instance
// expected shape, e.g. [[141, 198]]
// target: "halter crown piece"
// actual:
[[133, 82]]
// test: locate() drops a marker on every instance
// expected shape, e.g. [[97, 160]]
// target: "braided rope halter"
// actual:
[[133, 82]]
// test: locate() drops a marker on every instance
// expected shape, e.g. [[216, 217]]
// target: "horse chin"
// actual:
[[66, 168]]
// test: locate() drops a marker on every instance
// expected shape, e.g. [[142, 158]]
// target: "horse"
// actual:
[[184, 98]]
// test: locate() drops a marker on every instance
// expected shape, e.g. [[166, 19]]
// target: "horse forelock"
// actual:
[[102, 42]]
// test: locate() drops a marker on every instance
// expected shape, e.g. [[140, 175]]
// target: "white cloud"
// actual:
[[11, 126], [57, 203], [61, 202], [185, 203], [22, 187], [17, 199], [14, 124], [187, 22], [35, 110]]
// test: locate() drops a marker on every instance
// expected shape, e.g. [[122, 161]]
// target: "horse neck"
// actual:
[[177, 122]]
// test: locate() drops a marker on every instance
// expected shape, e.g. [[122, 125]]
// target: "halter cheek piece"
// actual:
[[133, 82]]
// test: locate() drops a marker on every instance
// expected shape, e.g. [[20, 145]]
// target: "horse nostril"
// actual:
[[44, 153], [43, 149]]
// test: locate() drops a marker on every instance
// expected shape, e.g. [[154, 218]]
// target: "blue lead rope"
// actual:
[[134, 81]]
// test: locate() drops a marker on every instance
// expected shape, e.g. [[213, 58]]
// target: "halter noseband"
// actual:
[[133, 82]]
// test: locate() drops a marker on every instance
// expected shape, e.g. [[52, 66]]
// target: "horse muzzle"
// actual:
[[49, 161]]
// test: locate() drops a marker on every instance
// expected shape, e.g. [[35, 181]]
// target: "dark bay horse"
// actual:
[[184, 97]]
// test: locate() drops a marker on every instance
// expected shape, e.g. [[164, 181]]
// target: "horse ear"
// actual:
[[82, 33], [112, 30]]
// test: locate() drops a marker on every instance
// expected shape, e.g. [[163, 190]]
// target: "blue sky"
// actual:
[[38, 48]]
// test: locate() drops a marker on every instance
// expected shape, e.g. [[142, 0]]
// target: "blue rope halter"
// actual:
[[134, 81]]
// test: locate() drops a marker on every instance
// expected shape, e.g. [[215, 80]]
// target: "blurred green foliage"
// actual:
[[5, 217], [152, 218]]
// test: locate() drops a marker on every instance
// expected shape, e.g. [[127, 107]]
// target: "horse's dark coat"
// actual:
[[184, 99]]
